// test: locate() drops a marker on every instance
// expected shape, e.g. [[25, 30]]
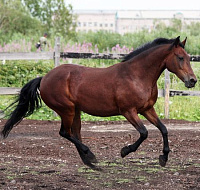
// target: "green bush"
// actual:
[[18, 73]]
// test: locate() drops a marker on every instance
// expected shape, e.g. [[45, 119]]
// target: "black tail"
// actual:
[[27, 101]]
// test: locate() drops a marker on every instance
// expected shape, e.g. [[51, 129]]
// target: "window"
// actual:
[[90, 24]]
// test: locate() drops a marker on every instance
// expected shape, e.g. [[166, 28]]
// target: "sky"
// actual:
[[134, 4]]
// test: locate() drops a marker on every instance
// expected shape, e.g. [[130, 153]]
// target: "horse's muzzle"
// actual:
[[190, 83]]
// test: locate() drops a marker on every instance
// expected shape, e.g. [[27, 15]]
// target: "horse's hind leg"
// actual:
[[153, 118], [66, 131], [133, 118], [76, 125], [76, 131]]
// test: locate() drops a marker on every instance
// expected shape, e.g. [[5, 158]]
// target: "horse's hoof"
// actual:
[[162, 160], [125, 151], [91, 157], [93, 167], [88, 158]]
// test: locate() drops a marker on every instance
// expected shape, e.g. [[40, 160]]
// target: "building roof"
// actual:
[[158, 14], [95, 11], [151, 14]]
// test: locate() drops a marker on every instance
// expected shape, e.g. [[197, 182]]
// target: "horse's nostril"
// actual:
[[192, 80]]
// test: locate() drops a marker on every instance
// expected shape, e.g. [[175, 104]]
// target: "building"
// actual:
[[96, 20], [125, 21]]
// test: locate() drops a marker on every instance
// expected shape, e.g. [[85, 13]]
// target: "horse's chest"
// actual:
[[147, 100]]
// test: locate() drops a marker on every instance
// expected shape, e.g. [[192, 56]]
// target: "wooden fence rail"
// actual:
[[72, 55], [56, 55]]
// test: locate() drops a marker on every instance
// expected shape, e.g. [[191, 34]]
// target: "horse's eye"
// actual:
[[180, 58]]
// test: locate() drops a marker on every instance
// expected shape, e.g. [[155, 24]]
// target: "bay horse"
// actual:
[[128, 88]]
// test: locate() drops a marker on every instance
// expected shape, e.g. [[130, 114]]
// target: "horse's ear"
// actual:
[[184, 41], [177, 41]]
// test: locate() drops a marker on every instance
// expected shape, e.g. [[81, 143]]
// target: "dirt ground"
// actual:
[[35, 157]]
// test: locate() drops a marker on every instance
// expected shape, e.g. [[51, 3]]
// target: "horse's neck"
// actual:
[[150, 65]]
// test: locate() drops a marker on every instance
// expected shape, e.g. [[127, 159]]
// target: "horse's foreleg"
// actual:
[[133, 118], [153, 118], [86, 155]]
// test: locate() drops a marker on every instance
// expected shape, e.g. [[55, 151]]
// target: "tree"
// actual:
[[159, 25], [56, 17], [176, 24], [14, 18], [64, 20], [194, 28]]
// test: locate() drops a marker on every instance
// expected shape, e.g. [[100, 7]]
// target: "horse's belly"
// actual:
[[98, 106], [101, 113]]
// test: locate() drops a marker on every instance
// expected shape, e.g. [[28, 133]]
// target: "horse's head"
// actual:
[[178, 62]]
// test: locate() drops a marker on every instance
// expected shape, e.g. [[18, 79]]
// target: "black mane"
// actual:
[[158, 41]]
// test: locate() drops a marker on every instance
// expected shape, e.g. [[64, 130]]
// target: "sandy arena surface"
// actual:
[[35, 157]]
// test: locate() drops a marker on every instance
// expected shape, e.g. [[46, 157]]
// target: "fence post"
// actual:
[[57, 52], [167, 88], [56, 58]]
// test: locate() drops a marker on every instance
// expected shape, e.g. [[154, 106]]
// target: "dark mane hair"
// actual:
[[156, 42]]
